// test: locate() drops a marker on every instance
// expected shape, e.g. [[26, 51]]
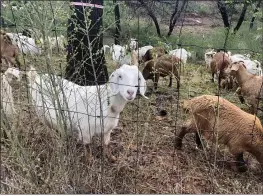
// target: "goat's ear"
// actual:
[[143, 85], [235, 66], [114, 82]]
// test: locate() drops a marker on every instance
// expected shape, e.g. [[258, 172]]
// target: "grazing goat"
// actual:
[[85, 115], [218, 65], [222, 122], [162, 67], [249, 84], [181, 53], [155, 52], [9, 52]]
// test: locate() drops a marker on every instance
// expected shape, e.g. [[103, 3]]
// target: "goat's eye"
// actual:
[[120, 76]]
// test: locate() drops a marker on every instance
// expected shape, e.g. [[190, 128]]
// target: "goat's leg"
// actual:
[[240, 96], [198, 141], [240, 163], [188, 127], [155, 82], [86, 139], [107, 148], [212, 79], [170, 82]]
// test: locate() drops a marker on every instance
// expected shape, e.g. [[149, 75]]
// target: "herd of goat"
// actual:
[[212, 117]]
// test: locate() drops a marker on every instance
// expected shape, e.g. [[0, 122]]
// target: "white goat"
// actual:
[[142, 51], [84, 113], [118, 52], [106, 49], [181, 53], [54, 42], [25, 44], [209, 54], [133, 44], [7, 100]]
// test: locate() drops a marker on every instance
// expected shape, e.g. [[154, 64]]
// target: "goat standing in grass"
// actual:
[[83, 111]]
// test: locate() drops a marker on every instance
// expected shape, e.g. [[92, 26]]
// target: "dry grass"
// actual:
[[37, 160]]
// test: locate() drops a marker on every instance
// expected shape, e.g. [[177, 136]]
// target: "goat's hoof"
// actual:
[[178, 145], [242, 168]]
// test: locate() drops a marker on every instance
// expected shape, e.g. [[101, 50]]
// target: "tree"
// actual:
[[175, 15], [254, 15], [86, 66], [223, 11], [151, 14], [242, 17], [117, 20]]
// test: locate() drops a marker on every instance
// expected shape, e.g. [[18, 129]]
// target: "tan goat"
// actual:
[[218, 65], [249, 84], [225, 123]]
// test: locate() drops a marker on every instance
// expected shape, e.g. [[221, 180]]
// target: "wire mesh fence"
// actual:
[[134, 145]]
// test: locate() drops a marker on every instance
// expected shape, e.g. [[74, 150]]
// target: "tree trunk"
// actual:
[[175, 16], [254, 16], [85, 65], [222, 8], [118, 25], [151, 14], [242, 17]]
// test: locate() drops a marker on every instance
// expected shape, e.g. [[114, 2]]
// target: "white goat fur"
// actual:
[[118, 52], [209, 54], [252, 66], [25, 44], [55, 42], [83, 101], [180, 53], [133, 44], [142, 51], [7, 100]]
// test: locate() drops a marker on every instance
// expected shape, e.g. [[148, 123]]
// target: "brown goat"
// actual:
[[154, 53], [219, 120], [249, 84], [9, 52], [218, 65], [162, 66]]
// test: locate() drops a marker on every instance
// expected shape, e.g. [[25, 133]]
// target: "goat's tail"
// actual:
[[32, 74]]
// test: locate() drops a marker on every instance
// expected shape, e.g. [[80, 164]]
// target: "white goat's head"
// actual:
[[126, 81], [133, 44]]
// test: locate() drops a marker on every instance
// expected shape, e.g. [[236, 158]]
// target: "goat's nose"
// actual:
[[130, 92]]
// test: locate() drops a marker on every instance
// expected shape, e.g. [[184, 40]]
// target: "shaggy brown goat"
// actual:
[[225, 123], [218, 65], [9, 52], [162, 66]]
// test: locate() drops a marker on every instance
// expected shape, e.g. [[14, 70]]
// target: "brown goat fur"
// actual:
[[154, 53], [218, 65], [249, 84], [8, 51], [235, 128], [162, 66]]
